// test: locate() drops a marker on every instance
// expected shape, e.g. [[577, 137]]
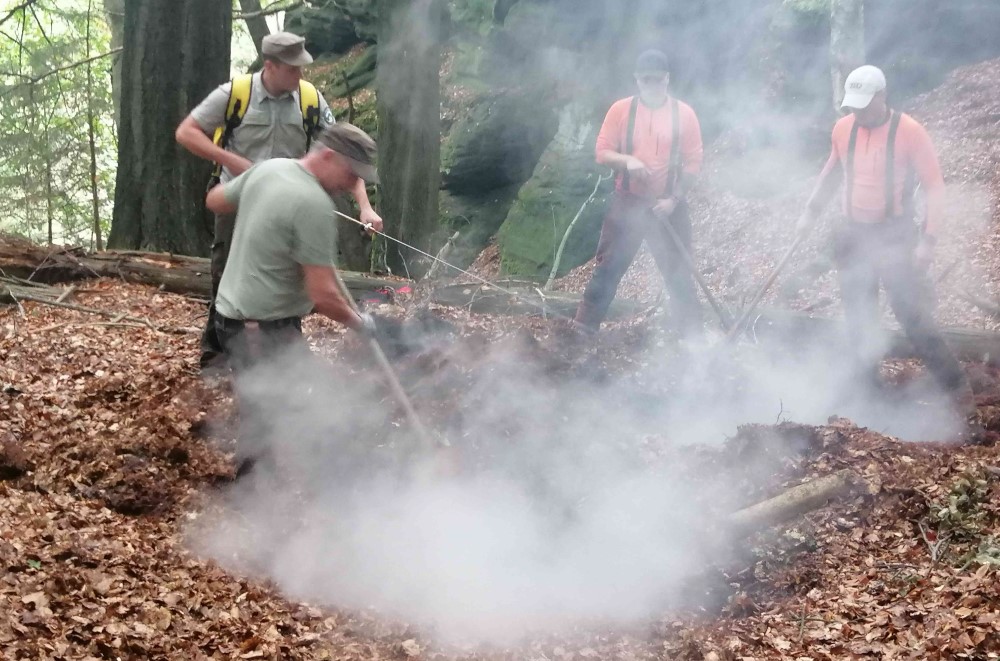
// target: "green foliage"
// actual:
[[472, 15], [960, 512], [45, 182]]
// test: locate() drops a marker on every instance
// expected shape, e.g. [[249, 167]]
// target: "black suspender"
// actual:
[[675, 144], [630, 138], [890, 167], [676, 157], [851, 148]]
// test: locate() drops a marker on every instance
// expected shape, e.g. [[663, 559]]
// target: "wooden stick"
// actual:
[[738, 327], [66, 294], [390, 376], [795, 501], [724, 317]]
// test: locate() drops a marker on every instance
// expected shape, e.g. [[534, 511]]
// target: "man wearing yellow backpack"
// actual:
[[252, 118]]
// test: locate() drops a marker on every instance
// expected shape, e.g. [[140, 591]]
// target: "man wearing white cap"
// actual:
[[881, 155], [257, 118]]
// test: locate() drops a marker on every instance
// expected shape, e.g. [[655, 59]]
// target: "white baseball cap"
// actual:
[[862, 85]]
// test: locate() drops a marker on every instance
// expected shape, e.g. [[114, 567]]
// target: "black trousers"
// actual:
[[630, 220], [273, 347], [211, 345], [250, 343], [870, 254]]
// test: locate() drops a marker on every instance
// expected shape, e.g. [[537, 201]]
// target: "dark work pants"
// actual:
[[249, 345], [629, 221], [867, 254], [211, 345]]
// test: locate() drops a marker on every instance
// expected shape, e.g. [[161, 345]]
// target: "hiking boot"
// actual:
[[213, 364]]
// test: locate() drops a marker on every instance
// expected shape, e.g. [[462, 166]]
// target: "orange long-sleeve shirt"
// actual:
[[651, 143], [914, 153]]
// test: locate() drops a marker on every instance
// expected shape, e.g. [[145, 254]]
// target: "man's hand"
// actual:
[[637, 169], [371, 220], [665, 208], [924, 253], [805, 223], [237, 165]]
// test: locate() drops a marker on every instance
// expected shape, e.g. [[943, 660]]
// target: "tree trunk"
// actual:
[[114, 11], [175, 52], [256, 23], [92, 144], [529, 300], [847, 43], [409, 121]]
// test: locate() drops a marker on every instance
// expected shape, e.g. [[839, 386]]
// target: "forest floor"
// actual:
[[112, 446]]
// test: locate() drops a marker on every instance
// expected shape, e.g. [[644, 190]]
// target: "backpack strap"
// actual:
[[309, 104], [239, 100], [849, 186], [630, 137], [676, 155], [890, 167]]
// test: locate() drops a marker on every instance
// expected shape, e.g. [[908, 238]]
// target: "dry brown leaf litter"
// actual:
[[104, 450]]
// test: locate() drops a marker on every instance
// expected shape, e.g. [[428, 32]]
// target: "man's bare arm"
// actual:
[[190, 136], [322, 289], [216, 200]]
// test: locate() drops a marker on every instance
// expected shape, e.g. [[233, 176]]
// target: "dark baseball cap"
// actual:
[[356, 146], [287, 47], [652, 61]]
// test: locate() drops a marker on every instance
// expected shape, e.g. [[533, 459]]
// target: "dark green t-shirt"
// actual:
[[284, 219]]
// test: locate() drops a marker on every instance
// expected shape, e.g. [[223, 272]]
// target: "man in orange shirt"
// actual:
[[653, 141], [881, 155]]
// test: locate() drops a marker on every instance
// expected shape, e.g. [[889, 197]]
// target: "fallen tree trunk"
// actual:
[[797, 501], [179, 274], [529, 300], [792, 328]]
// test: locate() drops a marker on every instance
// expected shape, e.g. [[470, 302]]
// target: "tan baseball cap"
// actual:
[[356, 146], [861, 86], [287, 47]]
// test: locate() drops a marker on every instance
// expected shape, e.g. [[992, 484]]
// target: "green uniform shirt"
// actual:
[[271, 127], [284, 219]]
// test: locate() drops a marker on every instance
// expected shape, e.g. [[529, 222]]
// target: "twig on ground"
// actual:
[[115, 316], [66, 294], [935, 548]]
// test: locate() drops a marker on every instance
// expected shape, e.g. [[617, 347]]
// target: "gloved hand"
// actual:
[[368, 327]]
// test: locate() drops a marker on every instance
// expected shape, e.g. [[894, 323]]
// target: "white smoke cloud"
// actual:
[[559, 513]]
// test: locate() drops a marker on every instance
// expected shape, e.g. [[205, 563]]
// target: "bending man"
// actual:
[[258, 117]]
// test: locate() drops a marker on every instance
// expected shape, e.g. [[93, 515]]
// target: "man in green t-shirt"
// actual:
[[280, 264]]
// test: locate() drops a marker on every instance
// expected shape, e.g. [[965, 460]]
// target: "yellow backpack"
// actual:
[[239, 99]]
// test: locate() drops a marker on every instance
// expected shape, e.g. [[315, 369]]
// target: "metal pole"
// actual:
[[724, 317], [390, 376], [738, 328]]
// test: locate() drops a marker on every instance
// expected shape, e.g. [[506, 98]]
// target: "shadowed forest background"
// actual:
[[522, 87]]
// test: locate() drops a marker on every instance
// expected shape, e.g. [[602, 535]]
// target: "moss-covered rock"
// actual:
[[563, 179], [334, 26], [477, 218], [496, 144]]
